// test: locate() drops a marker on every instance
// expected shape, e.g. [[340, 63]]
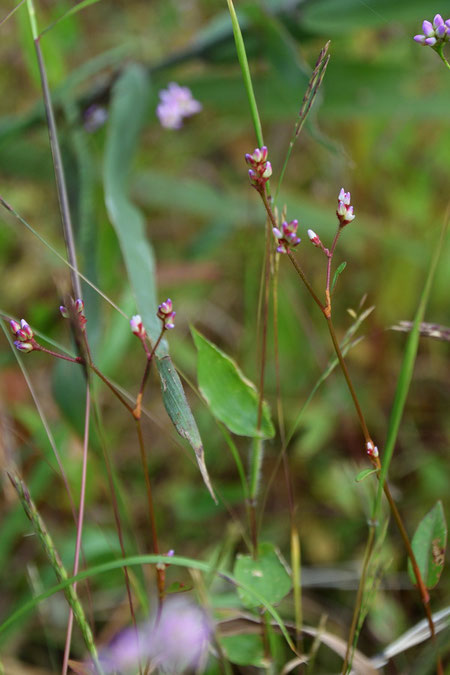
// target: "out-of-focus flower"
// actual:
[[261, 169], [137, 327], [176, 104], [173, 640], [24, 335], [344, 210], [434, 34], [166, 314], [287, 236], [372, 449], [94, 117]]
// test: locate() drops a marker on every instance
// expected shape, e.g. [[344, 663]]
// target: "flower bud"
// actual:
[[79, 306], [287, 236], [314, 238], [23, 346], [166, 314], [15, 326], [64, 311], [137, 327], [372, 449]]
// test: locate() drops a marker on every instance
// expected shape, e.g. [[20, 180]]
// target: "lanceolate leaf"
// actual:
[[127, 111], [231, 397], [338, 272], [429, 543]]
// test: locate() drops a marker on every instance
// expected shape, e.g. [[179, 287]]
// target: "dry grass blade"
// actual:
[[431, 330]]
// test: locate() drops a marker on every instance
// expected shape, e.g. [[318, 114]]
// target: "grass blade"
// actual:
[[243, 62]]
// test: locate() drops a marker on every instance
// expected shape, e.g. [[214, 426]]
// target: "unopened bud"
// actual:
[[23, 346], [64, 311], [372, 449], [137, 327], [15, 326], [314, 238]]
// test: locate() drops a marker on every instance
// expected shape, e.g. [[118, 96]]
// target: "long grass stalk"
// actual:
[[59, 569]]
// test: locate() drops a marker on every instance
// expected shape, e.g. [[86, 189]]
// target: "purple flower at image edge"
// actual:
[[176, 103], [434, 34], [175, 640]]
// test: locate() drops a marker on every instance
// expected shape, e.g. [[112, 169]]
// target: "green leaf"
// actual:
[[338, 272], [364, 474], [231, 397], [429, 543], [244, 650], [127, 112], [267, 576]]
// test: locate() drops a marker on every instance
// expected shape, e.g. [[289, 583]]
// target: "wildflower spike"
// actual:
[[166, 314], [344, 210], [287, 236], [434, 34], [261, 169]]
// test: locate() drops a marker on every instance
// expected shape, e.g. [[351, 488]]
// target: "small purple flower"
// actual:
[[344, 210], [174, 640], [434, 34], [137, 327], [176, 104], [261, 169], [287, 236], [166, 314], [24, 335], [94, 117]]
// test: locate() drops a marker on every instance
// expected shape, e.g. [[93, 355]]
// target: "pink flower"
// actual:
[[287, 236], [166, 314], [261, 169], [344, 210], [176, 104]]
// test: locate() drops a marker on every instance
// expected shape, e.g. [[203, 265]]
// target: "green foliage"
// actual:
[[267, 576], [429, 544], [231, 397]]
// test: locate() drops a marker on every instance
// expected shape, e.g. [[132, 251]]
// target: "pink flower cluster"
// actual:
[[344, 210], [176, 104], [287, 236], [166, 314], [261, 169], [24, 336], [434, 34]]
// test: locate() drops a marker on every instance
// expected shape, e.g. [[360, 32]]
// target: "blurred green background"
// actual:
[[380, 128]]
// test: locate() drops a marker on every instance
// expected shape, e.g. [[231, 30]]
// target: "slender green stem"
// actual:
[[440, 52], [359, 597], [351, 388], [329, 261], [305, 281], [112, 387], [160, 570], [57, 161], [32, 17]]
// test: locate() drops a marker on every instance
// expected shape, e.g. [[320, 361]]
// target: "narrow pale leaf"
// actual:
[[337, 274], [429, 543], [231, 397], [364, 474]]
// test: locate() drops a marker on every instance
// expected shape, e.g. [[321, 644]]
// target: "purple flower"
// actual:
[[176, 104], [24, 335], [261, 169], [173, 641], [94, 117], [166, 314], [434, 34], [287, 236], [344, 210]]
